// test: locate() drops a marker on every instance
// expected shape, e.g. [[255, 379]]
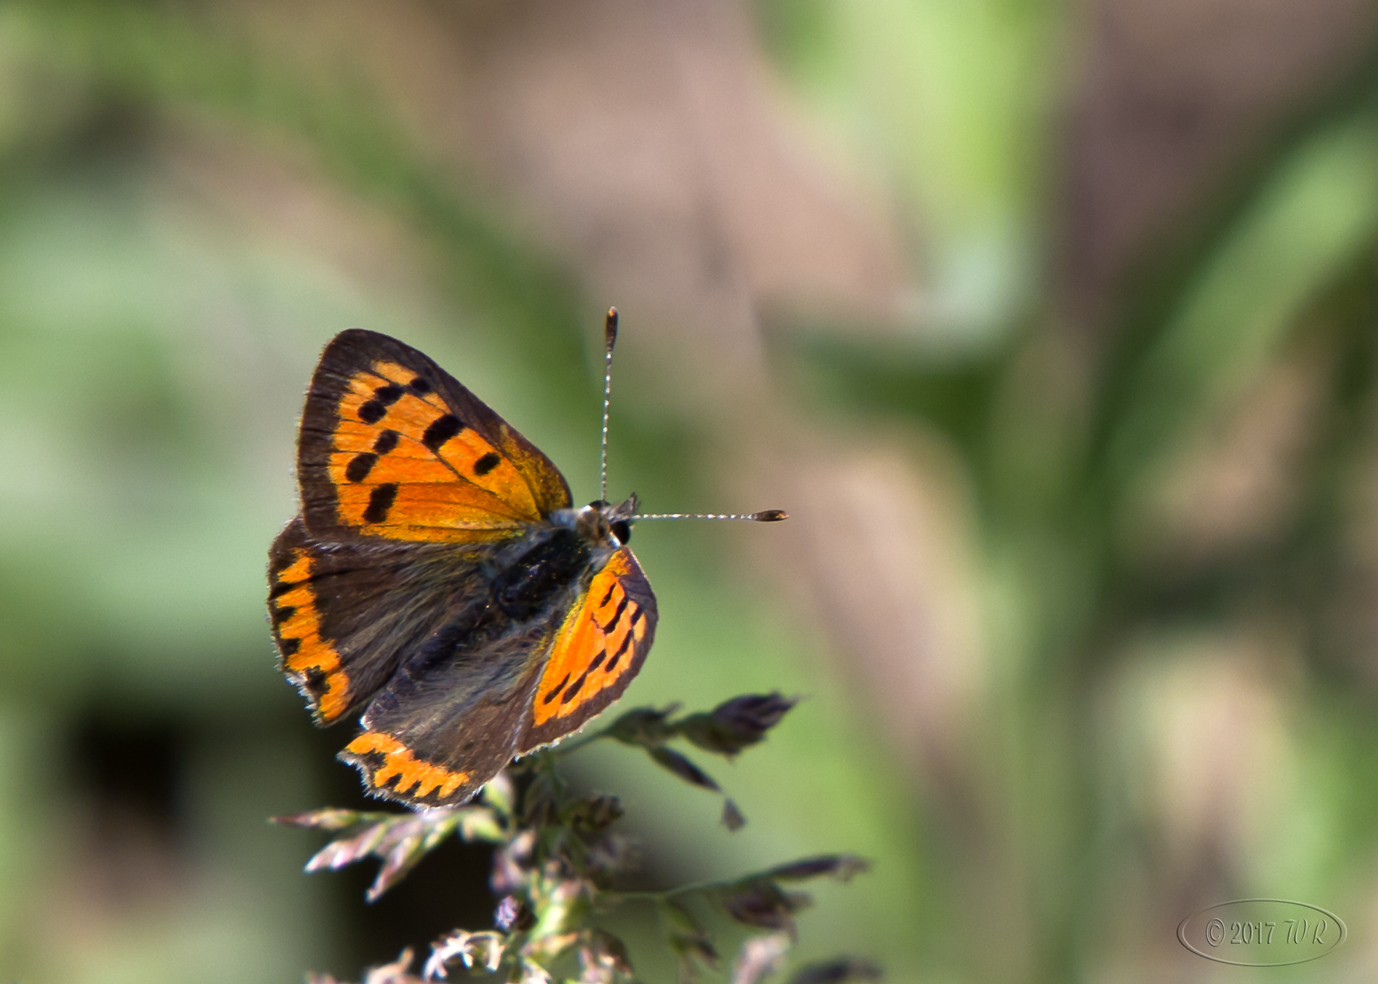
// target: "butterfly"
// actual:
[[439, 581]]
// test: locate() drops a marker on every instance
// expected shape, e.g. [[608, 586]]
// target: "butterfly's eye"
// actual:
[[622, 530]]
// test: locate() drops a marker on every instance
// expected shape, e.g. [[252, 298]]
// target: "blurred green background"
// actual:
[[1052, 325]]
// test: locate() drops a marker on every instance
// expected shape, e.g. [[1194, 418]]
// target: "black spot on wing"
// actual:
[[626, 641], [598, 660], [574, 688], [389, 394], [419, 386], [289, 647], [555, 690], [386, 442], [486, 464], [380, 503], [372, 411], [441, 430], [621, 607], [283, 613], [360, 465]]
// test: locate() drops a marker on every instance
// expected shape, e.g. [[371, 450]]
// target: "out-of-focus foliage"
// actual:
[[1052, 327]]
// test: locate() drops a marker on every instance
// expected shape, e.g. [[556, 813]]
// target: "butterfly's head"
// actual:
[[601, 522]]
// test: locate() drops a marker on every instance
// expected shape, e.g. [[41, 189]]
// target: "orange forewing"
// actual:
[[462, 483], [394, 447], [596, 652]]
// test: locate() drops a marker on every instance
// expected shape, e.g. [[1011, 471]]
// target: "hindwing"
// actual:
[[599, 648], [461, 705], [344, 614]]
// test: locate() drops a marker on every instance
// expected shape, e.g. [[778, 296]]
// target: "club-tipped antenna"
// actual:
[[764, 516], [609, 340]]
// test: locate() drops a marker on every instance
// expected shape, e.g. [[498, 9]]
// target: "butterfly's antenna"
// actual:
[[609, 340], [764, 516]]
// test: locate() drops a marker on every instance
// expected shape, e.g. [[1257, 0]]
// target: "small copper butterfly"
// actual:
[[439, 579]]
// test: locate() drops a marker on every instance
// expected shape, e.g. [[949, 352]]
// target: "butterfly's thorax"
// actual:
[[543, 570], [533, 573], [531, 581]]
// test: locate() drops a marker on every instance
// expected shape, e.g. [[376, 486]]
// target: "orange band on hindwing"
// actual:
[[311, 662], [416, 779], [597, 644]]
